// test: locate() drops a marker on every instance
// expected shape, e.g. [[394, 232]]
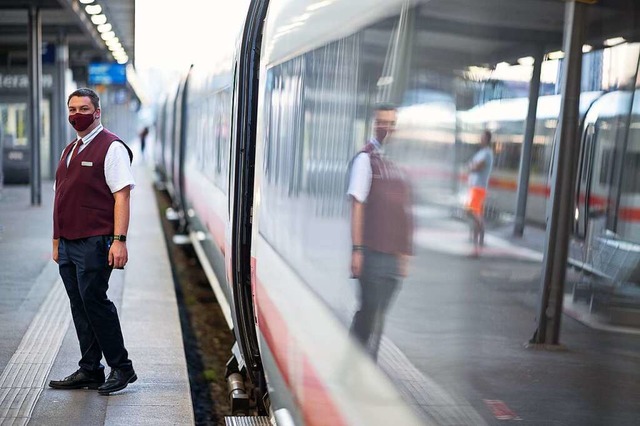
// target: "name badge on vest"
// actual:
[[87, 163]]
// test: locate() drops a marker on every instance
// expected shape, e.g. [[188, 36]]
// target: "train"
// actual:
[[254, 152]]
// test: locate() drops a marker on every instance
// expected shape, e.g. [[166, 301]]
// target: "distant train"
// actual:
[[608, 126], [255, 155]]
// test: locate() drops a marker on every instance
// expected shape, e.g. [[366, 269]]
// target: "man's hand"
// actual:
[[118, 255], [356, 263], [54, 253]]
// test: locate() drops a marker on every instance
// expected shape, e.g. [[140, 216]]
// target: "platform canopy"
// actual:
[[74, 21]]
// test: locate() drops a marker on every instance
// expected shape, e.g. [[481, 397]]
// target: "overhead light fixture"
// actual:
[[115, 47], [93, 9], [526, 61], [122, 60], [319, 5], [99, 19], [108, 35], [87, 1], [302, 17], [614, 41], [113, 41], [586, 48], [502, 65], [104, 28], [558, 54]]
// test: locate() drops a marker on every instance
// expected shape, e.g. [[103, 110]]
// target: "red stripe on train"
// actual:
[[629, 214], [309, 393]]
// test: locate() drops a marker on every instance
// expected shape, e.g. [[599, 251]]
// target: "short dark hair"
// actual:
[[487, 134], [86, 92], [385, 106]]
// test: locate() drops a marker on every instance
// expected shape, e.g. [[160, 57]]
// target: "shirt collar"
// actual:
[[377, 145], [91, 135]]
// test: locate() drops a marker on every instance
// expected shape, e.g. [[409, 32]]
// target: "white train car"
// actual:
[[262, 142]]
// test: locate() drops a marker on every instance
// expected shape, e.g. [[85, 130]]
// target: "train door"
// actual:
[[605, 164], [584, 210], [241, 184]]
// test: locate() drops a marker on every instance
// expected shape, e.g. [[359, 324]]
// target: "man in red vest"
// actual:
[[90, 223], [381, 229]]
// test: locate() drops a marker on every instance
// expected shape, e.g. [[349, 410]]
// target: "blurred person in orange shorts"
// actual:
[[479, 168]]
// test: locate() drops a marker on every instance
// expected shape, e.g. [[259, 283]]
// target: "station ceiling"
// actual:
[[64, 19]]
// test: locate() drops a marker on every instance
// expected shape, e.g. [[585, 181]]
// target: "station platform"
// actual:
[[37, 338], [454, 344], [456, 339]]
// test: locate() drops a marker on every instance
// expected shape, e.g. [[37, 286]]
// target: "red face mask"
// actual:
[[81, 122]]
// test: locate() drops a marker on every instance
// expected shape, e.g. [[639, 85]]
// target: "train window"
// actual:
[[13, 121], [631, 179], [606, 166]]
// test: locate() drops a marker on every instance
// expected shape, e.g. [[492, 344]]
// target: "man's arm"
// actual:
[[118, 255], [478, 162], [357, 223], [477, 166]]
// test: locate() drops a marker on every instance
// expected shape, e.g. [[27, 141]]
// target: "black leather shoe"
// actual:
[[79, 380], [118, 379]]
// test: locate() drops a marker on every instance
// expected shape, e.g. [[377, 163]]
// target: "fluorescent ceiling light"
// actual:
[[108, 35], [614, 41], [527, 60], [93, 9], [87, 1], [302, 17], [558, 54], [319, 5], [104, 28], [586, 48], [99, 19]]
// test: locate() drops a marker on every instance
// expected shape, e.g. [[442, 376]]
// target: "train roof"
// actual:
[[615, 104], [516, 109], [452, 33]]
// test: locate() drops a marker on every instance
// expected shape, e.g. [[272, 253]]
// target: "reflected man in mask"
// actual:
[[381, 229]]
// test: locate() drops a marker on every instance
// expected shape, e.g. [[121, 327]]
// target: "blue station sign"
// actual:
[[107, 73]]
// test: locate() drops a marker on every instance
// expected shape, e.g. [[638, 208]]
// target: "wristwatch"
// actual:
[[122, 238]]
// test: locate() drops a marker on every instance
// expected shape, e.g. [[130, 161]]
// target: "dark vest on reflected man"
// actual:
[[83, 205], [388, 224]]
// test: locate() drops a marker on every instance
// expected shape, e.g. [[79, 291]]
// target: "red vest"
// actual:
[[388, 224], [83, 205]]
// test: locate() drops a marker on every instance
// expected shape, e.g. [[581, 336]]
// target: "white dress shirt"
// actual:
[[360, 179]]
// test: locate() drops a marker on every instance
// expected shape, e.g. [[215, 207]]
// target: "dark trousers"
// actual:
[[379, 282], [85, 272]]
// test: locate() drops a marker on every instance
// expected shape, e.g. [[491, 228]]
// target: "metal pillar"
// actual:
[[35, 101], [564, 165], [60, 133], [527, 146]]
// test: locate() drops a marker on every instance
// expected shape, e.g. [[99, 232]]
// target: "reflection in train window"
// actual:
[[13, 119]]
